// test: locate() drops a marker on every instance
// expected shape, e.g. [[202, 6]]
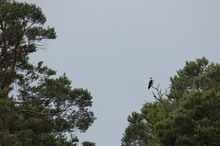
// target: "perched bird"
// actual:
[[150, 84]]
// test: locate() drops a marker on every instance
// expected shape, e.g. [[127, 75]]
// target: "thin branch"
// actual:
[[160, 93], [43, 141], [64, 109], [32, 101], [37, 114]]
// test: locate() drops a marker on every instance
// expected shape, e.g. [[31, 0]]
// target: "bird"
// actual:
[[150, 84]]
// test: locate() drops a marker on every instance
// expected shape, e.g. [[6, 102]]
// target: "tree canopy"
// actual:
[[188, 115], [37, 108]]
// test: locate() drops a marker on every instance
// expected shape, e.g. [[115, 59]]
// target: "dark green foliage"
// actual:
[[196, 116], [135, 133], [36, 109], [192, 77], [195, 121], [87, 143], [141, 128], [190, 115]]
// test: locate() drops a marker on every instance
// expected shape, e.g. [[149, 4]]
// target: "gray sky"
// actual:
[[112, 47]]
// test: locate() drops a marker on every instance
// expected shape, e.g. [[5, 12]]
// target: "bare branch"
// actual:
[[160, 93]]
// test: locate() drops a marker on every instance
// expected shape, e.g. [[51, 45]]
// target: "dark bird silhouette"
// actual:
[[150, 84]]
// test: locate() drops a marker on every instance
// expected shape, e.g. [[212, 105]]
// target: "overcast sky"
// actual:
[[112, 47]]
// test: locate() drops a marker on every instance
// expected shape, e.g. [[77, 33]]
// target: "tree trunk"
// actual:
[[5, 123]]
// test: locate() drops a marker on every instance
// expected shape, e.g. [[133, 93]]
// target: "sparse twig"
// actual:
[[160, 93]]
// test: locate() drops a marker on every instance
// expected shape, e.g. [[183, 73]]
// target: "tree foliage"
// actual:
[[189, 115], [87, 143], [35, 107]]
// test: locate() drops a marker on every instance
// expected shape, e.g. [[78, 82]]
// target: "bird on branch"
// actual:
[[150, 84]]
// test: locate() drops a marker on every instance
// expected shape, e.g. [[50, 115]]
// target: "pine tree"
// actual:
[[195, 94], [35, 107], [189, 115]]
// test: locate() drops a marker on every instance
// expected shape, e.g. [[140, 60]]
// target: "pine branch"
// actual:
[[43, 141], [31, 112]]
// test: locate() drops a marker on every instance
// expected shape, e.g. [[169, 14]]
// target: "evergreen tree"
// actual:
[[195, 94], [141, 130], [190, 113], [35, 107]]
